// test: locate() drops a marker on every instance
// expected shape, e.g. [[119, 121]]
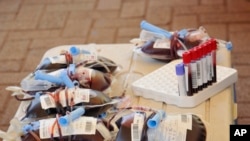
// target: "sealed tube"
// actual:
[[208, 61], [194, 70], [204, 66], [210, 56], [65, 120], [39, 75], [214, 48], [179, 68], [66, 80], [149, 27], [200, 67], [154, 121], [186, 56]]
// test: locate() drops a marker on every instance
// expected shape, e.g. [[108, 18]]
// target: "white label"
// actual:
[[181, 85], [194, 75], [186, 77], [80, 95], [137, 126], [211, 65], [204, 68], [47, 102], [84, 75], [186, 120], [77, 94], [174, 128], [81, 126], [162, 43], [90, 57], [208, 68], [199, 73], [57, 59]]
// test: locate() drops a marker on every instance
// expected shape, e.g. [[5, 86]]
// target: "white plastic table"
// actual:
[[218, 112]]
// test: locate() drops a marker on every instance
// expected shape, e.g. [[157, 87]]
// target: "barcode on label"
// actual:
[[135, 132], [48, 101], [88, 126], [194, 75], [198, 71], [184, 118]]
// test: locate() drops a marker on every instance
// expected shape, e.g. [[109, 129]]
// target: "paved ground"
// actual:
[[30, 27]]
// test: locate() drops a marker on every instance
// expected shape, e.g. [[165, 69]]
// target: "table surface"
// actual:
[[217, 113]]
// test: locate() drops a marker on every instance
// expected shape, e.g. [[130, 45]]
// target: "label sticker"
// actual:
[[77, 94], [162, 43], [137, 126], [81, 126]]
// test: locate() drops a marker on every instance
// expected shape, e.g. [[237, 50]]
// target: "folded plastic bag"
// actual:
[[47, 80], [163, 45], [82, 129], [63, 60], [49, 104], [154, 125]]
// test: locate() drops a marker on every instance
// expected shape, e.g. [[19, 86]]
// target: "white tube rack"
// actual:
[[162, 85]]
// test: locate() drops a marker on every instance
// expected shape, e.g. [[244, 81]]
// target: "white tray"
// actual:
[[162, 85]]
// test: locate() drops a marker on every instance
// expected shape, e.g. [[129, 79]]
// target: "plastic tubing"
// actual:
[[29, 127], [39, 75], [155, 120], [66, 80], [150, 27], [65, 120]]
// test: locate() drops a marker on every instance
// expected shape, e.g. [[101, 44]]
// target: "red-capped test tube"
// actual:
[[186, 58], [199, 67], [204, 65], [193, 65], [213, 52], [208, 63]]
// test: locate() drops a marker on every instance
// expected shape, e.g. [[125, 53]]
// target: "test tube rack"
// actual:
[[162, 85]]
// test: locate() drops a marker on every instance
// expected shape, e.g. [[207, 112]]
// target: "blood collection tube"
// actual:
[[204, 65], [179, 68], [208, 58], [199, 67], [186, 56], [214, 47], [194, 70]]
